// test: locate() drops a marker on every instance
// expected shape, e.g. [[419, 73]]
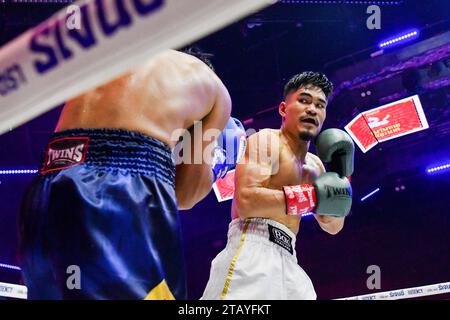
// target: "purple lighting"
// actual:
[[358, 2], [439, 169], [370, 194], [17, 171], [9, 266], [406, 36]]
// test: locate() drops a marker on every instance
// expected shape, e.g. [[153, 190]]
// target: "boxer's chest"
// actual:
[[292, 171]]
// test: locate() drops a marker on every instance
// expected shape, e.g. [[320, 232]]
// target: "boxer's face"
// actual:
[[304, 112]]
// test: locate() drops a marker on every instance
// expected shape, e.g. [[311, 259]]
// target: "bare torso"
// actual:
[[169, 92], [291, 171]]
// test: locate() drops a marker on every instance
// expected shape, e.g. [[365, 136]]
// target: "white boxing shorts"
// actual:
[[258, 263]]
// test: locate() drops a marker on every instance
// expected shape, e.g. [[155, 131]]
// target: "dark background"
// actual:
[[406, 232]]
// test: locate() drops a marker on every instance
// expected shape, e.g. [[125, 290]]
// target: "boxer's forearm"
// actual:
[[193, 182], [259, 202], [330, 224]]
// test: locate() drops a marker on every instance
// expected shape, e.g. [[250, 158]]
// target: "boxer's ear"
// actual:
[[282, 109]]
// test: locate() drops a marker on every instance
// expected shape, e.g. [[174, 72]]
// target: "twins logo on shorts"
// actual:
[[280, 238], [64, 153]]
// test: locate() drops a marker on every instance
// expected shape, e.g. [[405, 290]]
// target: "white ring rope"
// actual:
[[20, 292], [9, 290], [49, 64], [414, 292]]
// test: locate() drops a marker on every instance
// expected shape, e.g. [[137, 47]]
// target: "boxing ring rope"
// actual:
[[9, 290], [414, 292], [55, 61], [20, 292]]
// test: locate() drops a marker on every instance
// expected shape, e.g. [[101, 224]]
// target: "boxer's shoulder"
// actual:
[[264, 139], [313, 160], [266, 133]]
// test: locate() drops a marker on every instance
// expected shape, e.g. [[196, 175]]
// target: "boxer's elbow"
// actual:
[[187, 200], [184, 195], [192, 184], [333, 230], [331, 225], [185, 206], [184, 202]]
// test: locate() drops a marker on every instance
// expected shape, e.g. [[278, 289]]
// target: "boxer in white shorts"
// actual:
[[278, 181]]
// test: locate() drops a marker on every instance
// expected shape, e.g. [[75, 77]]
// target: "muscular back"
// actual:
[[169, 92]]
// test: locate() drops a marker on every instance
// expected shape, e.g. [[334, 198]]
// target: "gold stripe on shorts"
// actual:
[[233, 262], [160, 292]]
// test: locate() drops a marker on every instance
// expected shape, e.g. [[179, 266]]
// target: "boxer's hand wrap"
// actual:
[[300, 199], [329, 195]]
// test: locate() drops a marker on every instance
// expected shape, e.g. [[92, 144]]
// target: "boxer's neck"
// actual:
[[298, 146]]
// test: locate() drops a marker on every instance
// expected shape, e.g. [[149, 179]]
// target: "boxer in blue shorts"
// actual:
[[101, 219]]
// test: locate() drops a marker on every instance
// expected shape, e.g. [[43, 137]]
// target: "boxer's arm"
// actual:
[[329, 224], [252, 198], [193, 181]]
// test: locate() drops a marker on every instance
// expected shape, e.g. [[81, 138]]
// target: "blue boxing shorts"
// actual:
[[101, 220]]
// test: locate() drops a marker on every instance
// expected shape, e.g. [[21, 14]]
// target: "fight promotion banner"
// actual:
[[361, 133], [387, 122], [224, 188]]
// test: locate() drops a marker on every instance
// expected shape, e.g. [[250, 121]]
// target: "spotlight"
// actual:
[[439, 169], [9, 266], [370, 194], [17, 171], [402, 38]]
